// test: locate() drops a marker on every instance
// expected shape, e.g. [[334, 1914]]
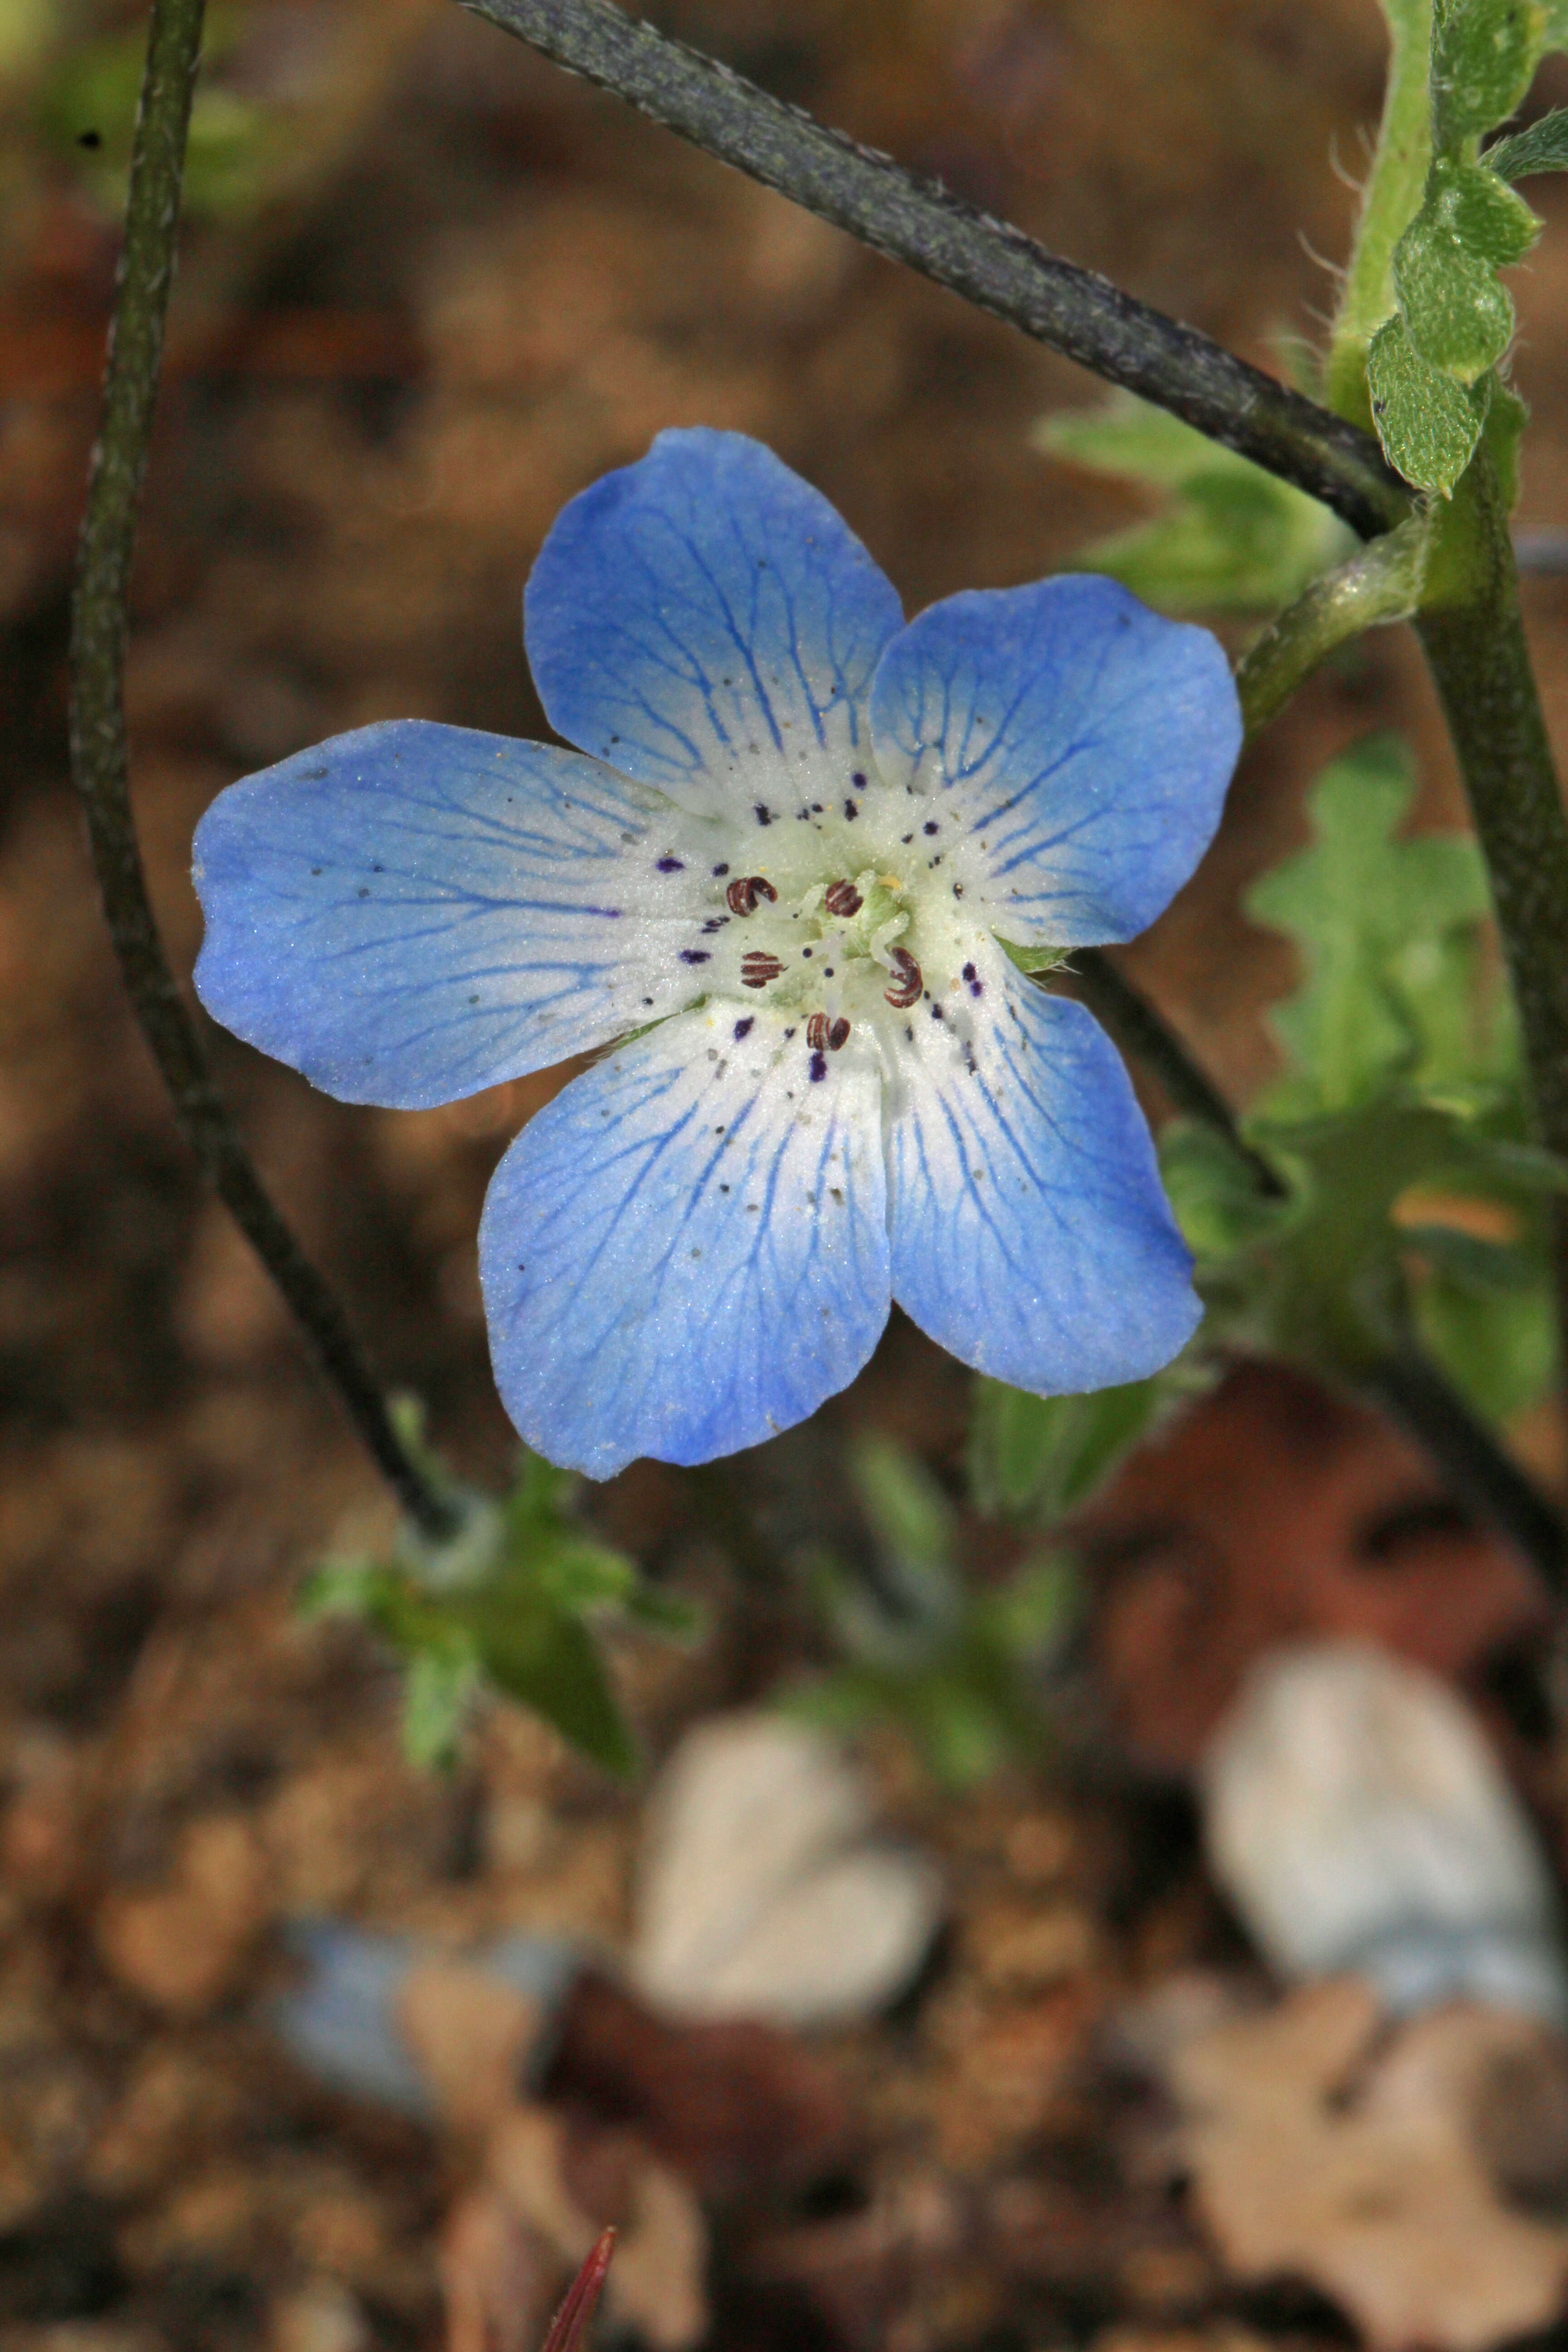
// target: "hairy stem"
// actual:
[[1474, 638], [1390, 202], [990, 264], [1381, 582], [100, 762]]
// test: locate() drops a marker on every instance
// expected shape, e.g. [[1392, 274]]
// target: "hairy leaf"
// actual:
[[1484, 54], [1543, 147], [1428, 424], [1458, 318]]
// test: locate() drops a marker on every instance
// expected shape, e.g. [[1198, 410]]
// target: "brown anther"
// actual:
[[837, 1035], [758, 968], [842, 898], [906, 979], [743, 894], [816, 1033]]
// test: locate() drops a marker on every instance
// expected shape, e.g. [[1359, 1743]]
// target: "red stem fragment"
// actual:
[[570, 2326]]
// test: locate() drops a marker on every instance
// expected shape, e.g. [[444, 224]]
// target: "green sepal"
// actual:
[[1458, 316], [1032, 959], [1555, 16], [1484, 55], [1232, 539], [1543, 147], [1428, 424]]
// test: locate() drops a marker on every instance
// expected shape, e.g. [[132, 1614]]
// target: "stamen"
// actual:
[[906, 979], [837, 1035], [816, 1033], [758, 968], [842, 898], [743, 894]]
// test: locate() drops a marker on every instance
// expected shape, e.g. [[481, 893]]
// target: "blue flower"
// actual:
[[776, 870]]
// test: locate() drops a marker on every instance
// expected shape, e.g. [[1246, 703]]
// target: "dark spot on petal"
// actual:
[[969, 972], [672, 865], [723, 1188], [816, 808], [851, 811], [473, 999], [362, 891], [788, 1034], [764, 814], [695, 955], [930, 825], [720, 870], [648, 1000], [806, 951], [818, 1067], [827, 972], [858, 778], [906, 838], [936, 1012], [314, 775], [315, 869], [743, 1028]]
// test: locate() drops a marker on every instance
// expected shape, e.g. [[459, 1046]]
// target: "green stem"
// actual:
[[1381, 582], [1390, 203], [1474, 638], [99, 758]]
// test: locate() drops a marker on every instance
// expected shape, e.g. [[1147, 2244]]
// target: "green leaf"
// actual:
[[1428, 424], [95, 87], [908, 1512], [1458, 318], [1374, 917], [1484, 55], [1543, 147], [548, 1663], [1046, 1454], [1032, 959], [508, 1600], [1213, 1193], [1470, 201], [437, 1694], [1232, 539]]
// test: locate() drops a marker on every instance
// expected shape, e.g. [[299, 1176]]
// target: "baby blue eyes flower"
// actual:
[[775, 870]]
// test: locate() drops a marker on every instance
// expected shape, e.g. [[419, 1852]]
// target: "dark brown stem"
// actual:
[[994, 266], [100, 762]]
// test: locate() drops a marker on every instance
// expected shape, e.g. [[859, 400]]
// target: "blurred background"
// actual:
[[1070, 2077]]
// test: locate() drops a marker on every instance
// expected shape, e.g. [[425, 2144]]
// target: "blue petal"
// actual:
[[1089, 742], [705, 622], [412, 913], [1031, 1237], [687, 1251]]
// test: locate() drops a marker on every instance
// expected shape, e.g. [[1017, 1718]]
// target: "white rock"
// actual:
[[762, 1889], [1357, 1819]]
